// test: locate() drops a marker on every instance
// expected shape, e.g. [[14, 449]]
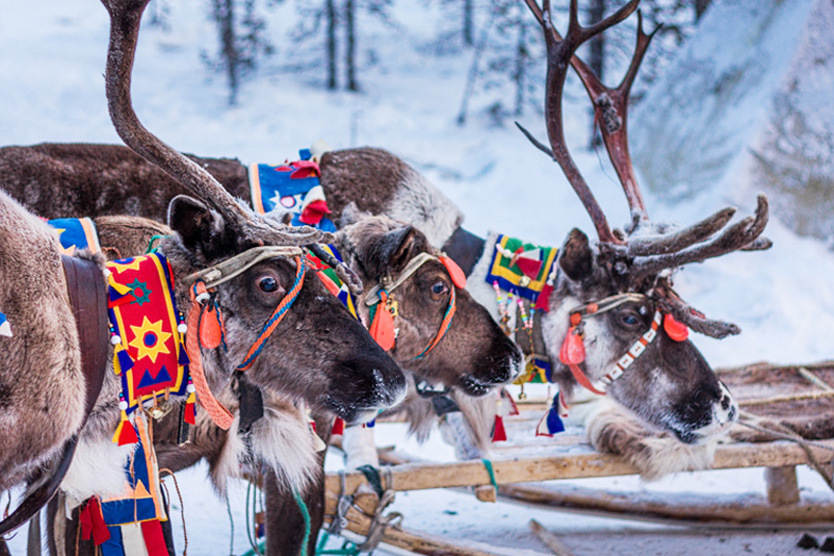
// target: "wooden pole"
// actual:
[[782, 485], [550, 540], [672, 508], [565, 466]]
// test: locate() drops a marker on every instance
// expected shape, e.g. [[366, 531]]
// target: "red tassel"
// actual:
[[499, 434], [154, 538], [675, 329], [382, 328], [338, 427], [125, 433], [573, 348], [190, 416]]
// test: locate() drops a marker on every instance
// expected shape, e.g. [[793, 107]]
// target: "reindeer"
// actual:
[[353, 378], [473, 355]]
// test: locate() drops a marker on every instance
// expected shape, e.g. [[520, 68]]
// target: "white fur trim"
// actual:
[[96, 469]]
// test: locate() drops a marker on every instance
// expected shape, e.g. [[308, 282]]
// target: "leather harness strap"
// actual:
[[88, 297], [465, 248]]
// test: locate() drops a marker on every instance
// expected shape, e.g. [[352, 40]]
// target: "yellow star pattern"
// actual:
[[116, 266], [149, 333]]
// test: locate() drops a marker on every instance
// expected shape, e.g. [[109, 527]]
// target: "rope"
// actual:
[[151, 248], [785, 433], [219, 414], [305, 514], [253, 542], [491, 471], [444, 326], [277, 315], [232, 526], [182, 508], [348, 548]]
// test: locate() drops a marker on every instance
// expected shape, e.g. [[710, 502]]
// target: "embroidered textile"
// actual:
[[75, 234], [295, 187], [331, 280], [523, 269], [149, 355]]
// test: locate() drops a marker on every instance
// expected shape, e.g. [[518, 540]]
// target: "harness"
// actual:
[[384, 308], [572, 352], [202, 287]]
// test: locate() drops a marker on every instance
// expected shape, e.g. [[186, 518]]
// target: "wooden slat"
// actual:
[[570, 466]]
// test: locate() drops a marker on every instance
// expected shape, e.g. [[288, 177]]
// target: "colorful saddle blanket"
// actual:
[[149, 354], [524, 269], [75, 234], [295, 187], [331, 280]]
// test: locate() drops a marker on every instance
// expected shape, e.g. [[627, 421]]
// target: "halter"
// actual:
[[379, 296], [207, 279], [573, 348]]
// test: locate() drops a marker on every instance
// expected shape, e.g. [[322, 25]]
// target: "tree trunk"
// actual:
[[700, 7], [520, 62], [225, 16], [596, 60], [350, 22], [468, 23], [330, 10]]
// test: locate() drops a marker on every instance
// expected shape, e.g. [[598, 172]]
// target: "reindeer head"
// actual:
[[286, 332], [620, 325], [466, 350]]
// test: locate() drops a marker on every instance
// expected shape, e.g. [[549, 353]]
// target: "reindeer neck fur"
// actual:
[[41, 382]]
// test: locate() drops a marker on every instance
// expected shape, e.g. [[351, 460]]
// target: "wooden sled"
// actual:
[[785, 400]]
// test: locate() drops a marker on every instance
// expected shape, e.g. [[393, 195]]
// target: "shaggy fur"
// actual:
[[42, 388]]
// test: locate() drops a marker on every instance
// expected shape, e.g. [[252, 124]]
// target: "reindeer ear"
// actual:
[[200, 228], [351, 214], [576, 258], [399, 247]]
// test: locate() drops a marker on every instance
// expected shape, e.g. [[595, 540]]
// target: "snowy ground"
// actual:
[[51, 89]]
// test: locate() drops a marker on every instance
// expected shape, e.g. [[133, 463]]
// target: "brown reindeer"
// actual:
[[353, 377], [473, 355]]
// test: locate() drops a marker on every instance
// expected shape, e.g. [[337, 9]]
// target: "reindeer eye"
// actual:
[[268, 284], [439, 288], [629, 319]]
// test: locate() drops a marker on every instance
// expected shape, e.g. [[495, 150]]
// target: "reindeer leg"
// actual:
[[4, 549], [284, 522]]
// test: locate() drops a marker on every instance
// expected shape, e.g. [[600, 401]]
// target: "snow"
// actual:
[[51, 89]]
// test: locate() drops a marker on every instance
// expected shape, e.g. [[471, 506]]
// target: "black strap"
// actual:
[[372, 474], [443, 405], [465, 248], [251, 403]]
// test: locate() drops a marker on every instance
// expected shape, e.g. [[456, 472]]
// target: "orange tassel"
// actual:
[[382, 328], [210, 332], [455, 272], [675, 329]]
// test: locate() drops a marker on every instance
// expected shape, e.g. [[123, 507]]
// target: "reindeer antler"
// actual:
[[559, 54], [125, 18], [643, 254]]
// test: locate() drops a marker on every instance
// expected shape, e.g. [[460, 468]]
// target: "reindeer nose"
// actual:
[[725, 402]]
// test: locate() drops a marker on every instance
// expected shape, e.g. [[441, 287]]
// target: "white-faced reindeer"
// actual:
[[43, 388], [614, 324]]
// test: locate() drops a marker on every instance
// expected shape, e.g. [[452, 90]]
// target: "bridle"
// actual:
[[572, 352], [384, 308], [202, 284]]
